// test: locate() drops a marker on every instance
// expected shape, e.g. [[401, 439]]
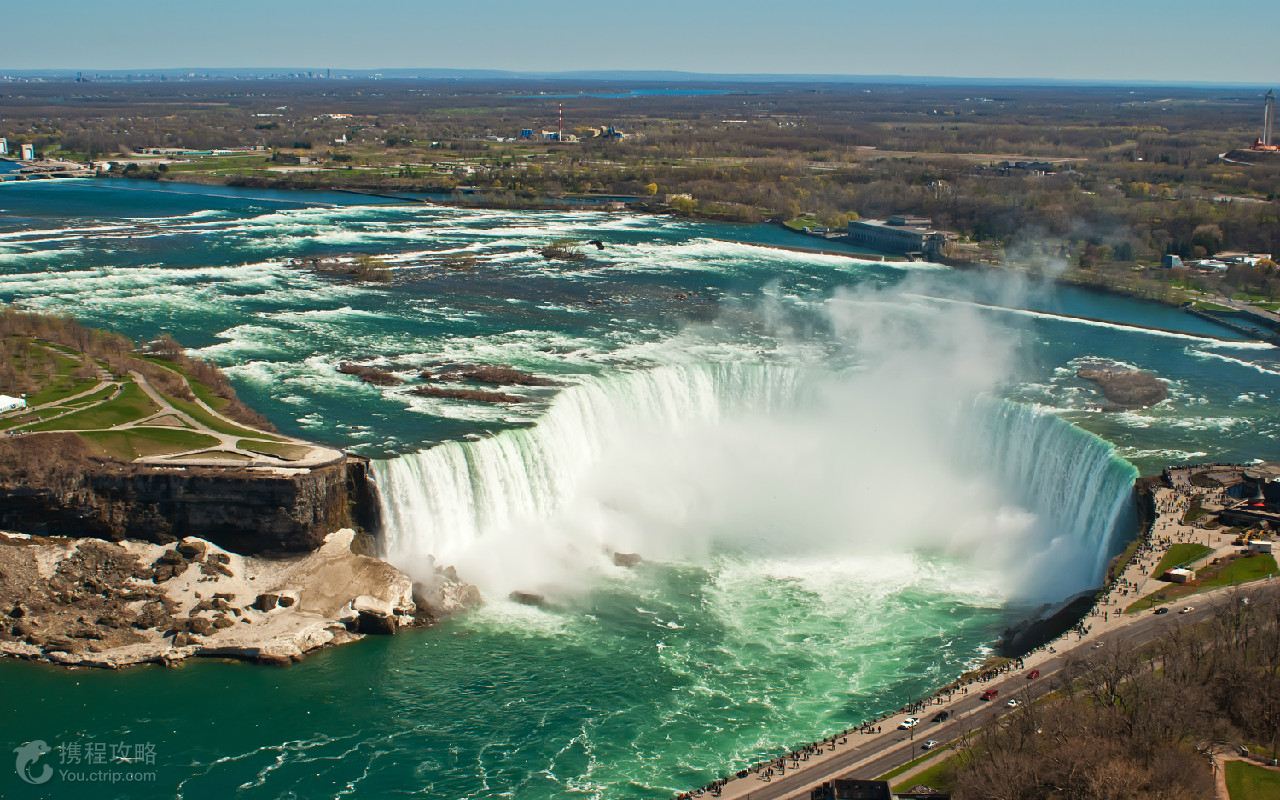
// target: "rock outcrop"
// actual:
[[83, 602], [244, 510], [1126, 388]]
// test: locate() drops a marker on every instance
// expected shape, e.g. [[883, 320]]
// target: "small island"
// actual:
[[1125, 388]]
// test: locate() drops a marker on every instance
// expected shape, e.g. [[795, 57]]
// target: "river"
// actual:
[[845, 477]]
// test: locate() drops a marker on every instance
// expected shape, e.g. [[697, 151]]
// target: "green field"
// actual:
[[1181, 553], [289, 452], [937, 777], [1230, 573], [132, 443], [896, 771], [215, 423], [132, 404], [1252, 782]]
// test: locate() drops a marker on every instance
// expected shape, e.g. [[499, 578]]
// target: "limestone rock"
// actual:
[[374, 615], [626, 559]]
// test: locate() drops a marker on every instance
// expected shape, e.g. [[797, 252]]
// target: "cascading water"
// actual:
[[809, 460]]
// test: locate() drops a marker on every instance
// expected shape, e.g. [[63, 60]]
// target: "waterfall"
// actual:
[[1075, 481], [638, 446]]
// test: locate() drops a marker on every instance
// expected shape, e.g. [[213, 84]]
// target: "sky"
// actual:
[[1147, 40]]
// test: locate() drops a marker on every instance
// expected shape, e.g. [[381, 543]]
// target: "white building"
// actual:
[[28, 152], [8, 403], [4, 146], [1259, 546]]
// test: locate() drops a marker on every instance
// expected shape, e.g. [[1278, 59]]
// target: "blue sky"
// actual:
[[1173, 40]]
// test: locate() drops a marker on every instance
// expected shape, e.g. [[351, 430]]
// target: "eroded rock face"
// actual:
[[474, 395], [369, 374], [1126, 388], [244, 511], [85, 602]]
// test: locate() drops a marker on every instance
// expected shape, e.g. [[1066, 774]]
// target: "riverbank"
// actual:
[[873, 748]]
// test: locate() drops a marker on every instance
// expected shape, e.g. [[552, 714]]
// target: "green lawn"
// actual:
[[937, 777], [1237, 570], [90, 399], [896, 771], [1181, 553], [211, 163], [800, 223], [206, 395], [132, 404], [213, 422], [1252, 782], [129, 444], [289, 452]]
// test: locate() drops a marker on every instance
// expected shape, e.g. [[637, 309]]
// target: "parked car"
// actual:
[[908, 723], [1187, 609], [1033, 674], [1013, 703], [990, 694], [942, 716], [1162, 610], [929, 744]]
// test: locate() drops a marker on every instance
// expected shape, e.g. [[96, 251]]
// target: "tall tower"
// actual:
[[560, 124], [1269, 118]]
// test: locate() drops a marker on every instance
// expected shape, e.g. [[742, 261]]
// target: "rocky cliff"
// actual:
[[245, 510]]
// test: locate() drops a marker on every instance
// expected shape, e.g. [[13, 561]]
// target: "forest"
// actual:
[[1113, 177]]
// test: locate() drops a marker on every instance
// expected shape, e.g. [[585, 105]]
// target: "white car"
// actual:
[[1012, 703], [908, 723], [1187, 609], [929, 744]]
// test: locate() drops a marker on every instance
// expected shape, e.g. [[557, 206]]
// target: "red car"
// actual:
[[1033, 674], [990, 694]]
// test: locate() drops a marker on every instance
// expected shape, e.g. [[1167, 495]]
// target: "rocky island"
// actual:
[[1125, 388]]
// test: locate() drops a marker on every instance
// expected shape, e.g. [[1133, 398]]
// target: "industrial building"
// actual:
[[909, 236]]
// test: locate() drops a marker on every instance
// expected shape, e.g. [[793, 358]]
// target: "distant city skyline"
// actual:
[[1139, 40]]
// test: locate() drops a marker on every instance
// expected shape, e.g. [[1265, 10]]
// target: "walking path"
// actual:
[[227, 450], [854, 753]]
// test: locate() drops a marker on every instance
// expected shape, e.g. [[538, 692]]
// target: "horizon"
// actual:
[[639, 75], [1135, 43]]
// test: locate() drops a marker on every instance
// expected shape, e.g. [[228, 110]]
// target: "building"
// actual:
[[910, 236], [28, 152], [8, 403], [1248, 259], [4, 147], [850, 789], [1179, 575], [1171, 261], [1257, 546]]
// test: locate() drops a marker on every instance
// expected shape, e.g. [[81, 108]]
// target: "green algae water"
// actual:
[[845, 478]]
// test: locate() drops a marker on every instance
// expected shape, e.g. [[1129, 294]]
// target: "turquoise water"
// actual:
[[838, 505]]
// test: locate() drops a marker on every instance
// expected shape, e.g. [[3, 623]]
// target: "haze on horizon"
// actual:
[[1142, 41]]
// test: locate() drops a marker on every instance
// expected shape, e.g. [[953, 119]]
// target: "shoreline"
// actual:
[[1167, 498]]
